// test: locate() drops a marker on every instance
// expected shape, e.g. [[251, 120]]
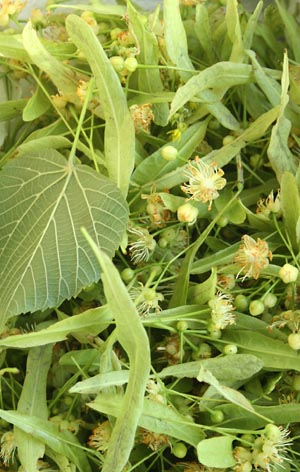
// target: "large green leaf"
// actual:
[[44, 202], [133, 338], [33, 401]]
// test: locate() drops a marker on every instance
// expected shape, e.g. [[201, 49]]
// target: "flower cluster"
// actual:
[[142, 116], [100, 437], [267, 451], [9, 8], [146, 299], [205, 180], [269, 205], [143, 246]]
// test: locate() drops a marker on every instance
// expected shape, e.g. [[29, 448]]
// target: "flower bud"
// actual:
[[117, 62], [187, 213], [288, 273], [131, 64], [169, 153]]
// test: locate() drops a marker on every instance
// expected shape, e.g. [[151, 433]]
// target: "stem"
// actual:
[[80, 122]]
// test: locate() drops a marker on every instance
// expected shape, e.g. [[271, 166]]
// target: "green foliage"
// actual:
[[128, 337]]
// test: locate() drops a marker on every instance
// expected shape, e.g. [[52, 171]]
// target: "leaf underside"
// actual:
[[44, 203]]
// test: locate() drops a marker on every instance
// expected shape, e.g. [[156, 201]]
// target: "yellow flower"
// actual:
[[143, 246], [154, 440], [252, 256], [221, 310], [266, 206], [142, 116], [100, 437], [9, 8], [8, 447], [204, 181]]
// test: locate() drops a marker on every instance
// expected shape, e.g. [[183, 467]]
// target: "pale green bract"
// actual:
[[44, 258]]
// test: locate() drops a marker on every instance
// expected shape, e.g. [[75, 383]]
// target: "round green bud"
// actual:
[[187, 213], [288, 273], [222, 221], [242, 454], [169, 153], [256, 308], [228, 139], [117, 62], [149, 294], [230, 349], [179, 450], [241, 303], [127, 275], [131, 64], [115, 33], [214, 331], [255, 160], [272, 432], [182, 325], [169, 234], [163, 243], [270, 300], [296, 383], [214, 125], [217, 416], [294, 341]]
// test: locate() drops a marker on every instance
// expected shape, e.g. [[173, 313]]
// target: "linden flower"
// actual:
[[9, 8], [204, 181], [100, 437], [221, 310], [266, 206], [154, 440], [269, 449], [141, 249], [252, 256], [8, 447], [142, 116], [146, 299]]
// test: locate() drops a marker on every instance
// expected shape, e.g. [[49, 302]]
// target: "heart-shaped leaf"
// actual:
[[44, 203]]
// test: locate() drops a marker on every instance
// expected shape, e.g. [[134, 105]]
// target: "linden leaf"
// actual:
[[44, 258]]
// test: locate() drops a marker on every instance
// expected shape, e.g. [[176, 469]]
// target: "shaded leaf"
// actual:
[[154, 166], [36, 106], [44, 257], [65, 79], [132, 336], [89, 323], [281, 158], [175, 39], [274, 353], [289, 193], [11, 109], [33, 401], [228, 368], [230, 394], [149, 79], [155, 417], [234, 31], [220, 76], [119, 136], [62, 442]]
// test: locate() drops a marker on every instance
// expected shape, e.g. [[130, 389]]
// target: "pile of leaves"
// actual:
[[149, 245]]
